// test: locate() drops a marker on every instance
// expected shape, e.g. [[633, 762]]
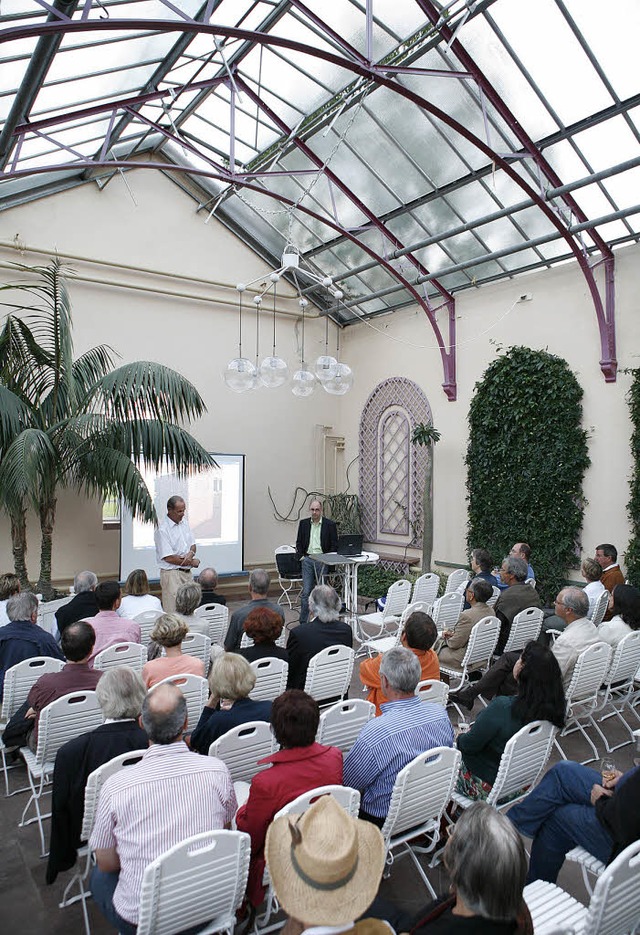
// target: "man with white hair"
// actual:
[[406, 728], [83, 605], [324, 629], [120, 692], [22, 638]]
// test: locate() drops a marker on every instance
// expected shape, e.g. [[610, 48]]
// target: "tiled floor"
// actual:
[[30, 907]]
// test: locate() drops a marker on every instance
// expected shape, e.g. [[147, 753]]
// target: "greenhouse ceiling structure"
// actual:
[[408, 149]]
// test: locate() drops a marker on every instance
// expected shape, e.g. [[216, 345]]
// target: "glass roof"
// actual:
[[402, 145]]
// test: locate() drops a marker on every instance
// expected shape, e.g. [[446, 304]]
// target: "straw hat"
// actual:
[[325, 866]]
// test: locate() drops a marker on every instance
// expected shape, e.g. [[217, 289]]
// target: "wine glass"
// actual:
[[608, 770]]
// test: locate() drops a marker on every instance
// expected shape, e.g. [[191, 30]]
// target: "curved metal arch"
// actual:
[[376, 74]]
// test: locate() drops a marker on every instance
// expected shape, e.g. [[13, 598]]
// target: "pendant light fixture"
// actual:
[[240, 373], [342, 381], [304, 382], [274, 370]]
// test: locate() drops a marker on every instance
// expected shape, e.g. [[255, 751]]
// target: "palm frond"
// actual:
[[29, 459], [144, 390], [14, 416], [91, 367], [108, 469]]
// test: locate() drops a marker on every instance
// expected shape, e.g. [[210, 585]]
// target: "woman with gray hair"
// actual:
[[231, 679], [323, 630], [188, 598], [487, 867], [169, 630]]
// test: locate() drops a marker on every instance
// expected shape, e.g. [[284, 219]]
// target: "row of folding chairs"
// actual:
[[445, 612], [216, 616]]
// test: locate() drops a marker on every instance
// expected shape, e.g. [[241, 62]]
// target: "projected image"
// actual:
[[214, 513]]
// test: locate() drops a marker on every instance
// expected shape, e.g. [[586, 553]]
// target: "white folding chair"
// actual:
[[132, 655], [348, 798], [526, 626], [433, 690], [397, 599], [47, 614], [342, 722], [479, 653], [329, 673], [62, 720], [18, 682], [200, 881], [281, 641], [242, 746], [289, 574], [522, 762], [95, 782], [590, 866], [195, 690], [382, 643], [447, 609], [494, 597], [598, 608], [614, 907], [618, 686], [217, 617], [582, 694], [271, 678], [425, 588], [531, 582], [146, 621], [198, 645], [455, 579], [420, 795]]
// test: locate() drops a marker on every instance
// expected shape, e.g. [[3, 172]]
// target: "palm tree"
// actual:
[[80, 423], [426, 435]]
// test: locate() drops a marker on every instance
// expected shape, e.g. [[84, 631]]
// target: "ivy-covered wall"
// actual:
[[526, 459], [633, 551]]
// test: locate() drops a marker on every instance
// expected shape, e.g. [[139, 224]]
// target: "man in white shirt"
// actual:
[[175, 552]]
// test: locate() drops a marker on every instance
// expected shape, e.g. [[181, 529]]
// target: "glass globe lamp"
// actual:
[[325, 368], [240, 375], [303, 382], [341, 383], [273, 372]]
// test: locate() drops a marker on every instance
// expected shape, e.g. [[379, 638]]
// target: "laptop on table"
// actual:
[[350, 545]]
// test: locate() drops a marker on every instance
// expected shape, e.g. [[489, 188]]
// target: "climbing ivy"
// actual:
[[526, 458], [632, 557]]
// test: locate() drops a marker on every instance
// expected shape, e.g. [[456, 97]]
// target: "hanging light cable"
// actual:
[[274, 370], [304, 382], [342, 381], [240, 373]]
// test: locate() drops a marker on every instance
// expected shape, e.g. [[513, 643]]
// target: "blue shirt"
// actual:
[[406, 728], [20, 640]]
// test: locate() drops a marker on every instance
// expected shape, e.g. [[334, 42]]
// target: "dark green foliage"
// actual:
[[632, 557], [526, 459]]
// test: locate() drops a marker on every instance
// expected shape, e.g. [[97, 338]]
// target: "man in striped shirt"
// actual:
[[145, 809], [406, 728]]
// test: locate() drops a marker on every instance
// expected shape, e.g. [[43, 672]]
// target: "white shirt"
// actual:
[[172, 539], [4, 620], [593, 590], [614, 630], [134, 604]]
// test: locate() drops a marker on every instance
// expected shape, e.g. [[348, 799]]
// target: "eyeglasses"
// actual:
[[559, 603]]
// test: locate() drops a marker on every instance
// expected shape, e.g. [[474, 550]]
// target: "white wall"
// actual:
[[196, 336], [196, 333]]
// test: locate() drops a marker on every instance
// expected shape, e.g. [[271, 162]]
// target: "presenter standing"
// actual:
[[315, 536], [175, 552]]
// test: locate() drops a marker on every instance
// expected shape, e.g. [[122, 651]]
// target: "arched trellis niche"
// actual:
[[391, 467]]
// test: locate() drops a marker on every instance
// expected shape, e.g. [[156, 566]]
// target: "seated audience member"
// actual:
[[187, 600], [9, 587], [479, 591], [169, 630], [137, 598], [231, 679], [109, 627], [83, 605], [22, 638], [625, 604], [607, 557], [326, 869], [571, 605], [406, 728], [481, 563], [572, 806], [515, 597], [120, 692], [301, 764], [487, 865], [592, 573], [523, 550], [259, 582], [208, 581], [324, 629], [76, 675], [169, 782], [264, 627], [419, 635], [539, 697]]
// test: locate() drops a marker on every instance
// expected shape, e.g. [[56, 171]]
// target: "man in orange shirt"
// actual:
[[419, 635]]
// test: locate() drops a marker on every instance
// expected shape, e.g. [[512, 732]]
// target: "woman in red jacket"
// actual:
[[301, 764]]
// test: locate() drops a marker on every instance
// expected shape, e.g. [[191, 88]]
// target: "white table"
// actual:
[[350, 565]]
